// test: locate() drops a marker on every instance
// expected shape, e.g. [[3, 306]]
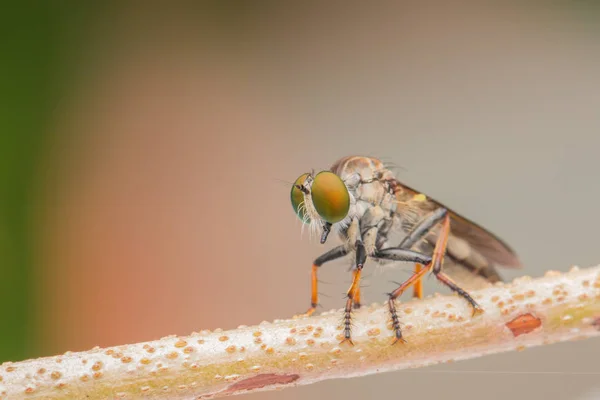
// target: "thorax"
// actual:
[[373, 199]]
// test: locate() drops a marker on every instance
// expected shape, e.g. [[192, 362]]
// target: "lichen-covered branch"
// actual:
[[528, 312]]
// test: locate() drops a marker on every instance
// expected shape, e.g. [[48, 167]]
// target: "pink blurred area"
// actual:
[[159, 223], [166, 200]]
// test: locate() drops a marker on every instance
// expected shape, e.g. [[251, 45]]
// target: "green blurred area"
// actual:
[[28, 82]]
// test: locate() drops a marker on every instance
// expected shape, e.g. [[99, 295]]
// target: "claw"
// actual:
[[308, 313], [396, 340], [477, 311]]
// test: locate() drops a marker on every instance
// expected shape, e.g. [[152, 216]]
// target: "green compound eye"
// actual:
[[330, 197], [298, 198]]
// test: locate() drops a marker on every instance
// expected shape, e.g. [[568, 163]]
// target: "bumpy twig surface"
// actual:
[[528, 312]]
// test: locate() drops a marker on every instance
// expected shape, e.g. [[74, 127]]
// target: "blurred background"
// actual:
[[145, 152]]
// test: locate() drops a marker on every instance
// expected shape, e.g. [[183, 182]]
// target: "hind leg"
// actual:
[[418, 232], [435, 265]]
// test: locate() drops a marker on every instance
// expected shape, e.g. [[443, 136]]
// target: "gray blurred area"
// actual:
[[187, 126]]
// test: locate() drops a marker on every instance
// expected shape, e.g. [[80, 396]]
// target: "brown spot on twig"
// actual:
[[260, 381], [523, 324]]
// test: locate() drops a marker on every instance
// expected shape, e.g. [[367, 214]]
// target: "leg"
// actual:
[[404, 255], [418, 287], [418, 232], [436, 265], [333, 254], [354, 290], [445, 279], [366, 241], [421, 230], [397, 254], [356, 298]]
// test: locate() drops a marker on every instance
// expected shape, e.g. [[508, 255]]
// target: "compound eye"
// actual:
[[330, 197], [298, 199]]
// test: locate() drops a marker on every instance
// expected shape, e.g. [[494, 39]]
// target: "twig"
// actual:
[[528, 312]]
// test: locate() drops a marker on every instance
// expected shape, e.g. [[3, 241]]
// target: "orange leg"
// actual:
[[356, 299], [418, 285], [437, 262], [352, 293], [419, 232], [416, 277], [440, 246], [331, 255], [314, 295]]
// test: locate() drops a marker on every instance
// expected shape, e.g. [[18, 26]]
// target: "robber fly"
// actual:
[[360, 199]]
